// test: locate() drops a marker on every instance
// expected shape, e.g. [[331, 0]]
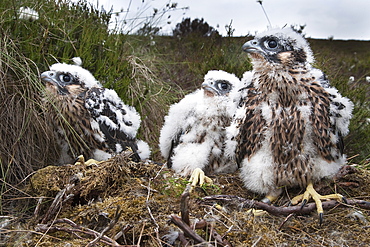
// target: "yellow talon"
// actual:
[[311, 193], [198, 177], [92, 162], [256, 212], [81, 161]]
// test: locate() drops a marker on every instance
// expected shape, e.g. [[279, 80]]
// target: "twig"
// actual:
[[125, 229], [246, 203], [150, 211], [13, 187], [285, 221], [257, 241], [75, 230], [148, 188], [184, 222], [36, 212], [110, 226], [307, 234], [183, 240], [218, 237], [147, 203], [202, 224], [141, 234], [186, 229], [57, 202], [184, 204]]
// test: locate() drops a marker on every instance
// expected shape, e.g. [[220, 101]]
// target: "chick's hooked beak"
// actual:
[[50, 77], [209, 90], [252, 46]]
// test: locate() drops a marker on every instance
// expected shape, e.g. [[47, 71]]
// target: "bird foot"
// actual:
[[81, 161], [269, 199], [311, 193], [198, 177], [256, 212]]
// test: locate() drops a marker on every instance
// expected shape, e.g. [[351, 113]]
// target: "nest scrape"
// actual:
[[140, 204]]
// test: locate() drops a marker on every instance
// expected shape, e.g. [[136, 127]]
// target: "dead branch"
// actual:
[[184, 204], [184, 222], [56, 205], [124, 230], [182, 239], [283, 210], [202, 224], [186, 229], [110, 226], [36, 212], [218, 237], [75, 230], [285, 221]]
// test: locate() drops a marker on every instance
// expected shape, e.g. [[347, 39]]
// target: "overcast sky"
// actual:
[[341, 19]]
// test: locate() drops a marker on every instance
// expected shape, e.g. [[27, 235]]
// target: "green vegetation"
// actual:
[[151, 72], [148, 72]]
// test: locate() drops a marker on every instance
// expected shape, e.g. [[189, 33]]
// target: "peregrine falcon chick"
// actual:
[[88, 119], [193, 135], [288, 129]]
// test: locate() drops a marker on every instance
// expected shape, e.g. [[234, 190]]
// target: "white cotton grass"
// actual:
[[27, 13], [351, 79]]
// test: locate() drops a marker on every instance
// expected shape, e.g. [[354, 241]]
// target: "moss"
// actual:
[[142, 191]]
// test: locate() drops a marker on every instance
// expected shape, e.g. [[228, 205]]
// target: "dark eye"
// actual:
[[65, 78], [272, 43], [223, 85]]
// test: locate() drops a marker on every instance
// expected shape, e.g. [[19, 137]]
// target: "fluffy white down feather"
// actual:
[[193, 116], [176, 120], [85, 76], [109, 96], [143, 149]]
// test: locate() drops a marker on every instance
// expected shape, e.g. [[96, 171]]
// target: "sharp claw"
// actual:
[[321, 216], [79, 160], [304, 201], [312, 193]]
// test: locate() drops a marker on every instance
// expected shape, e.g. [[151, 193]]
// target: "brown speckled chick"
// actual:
[[288, 129]]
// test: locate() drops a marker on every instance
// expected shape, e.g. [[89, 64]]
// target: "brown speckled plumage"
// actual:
[[73, 121], [289, 132], [89, 119]]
